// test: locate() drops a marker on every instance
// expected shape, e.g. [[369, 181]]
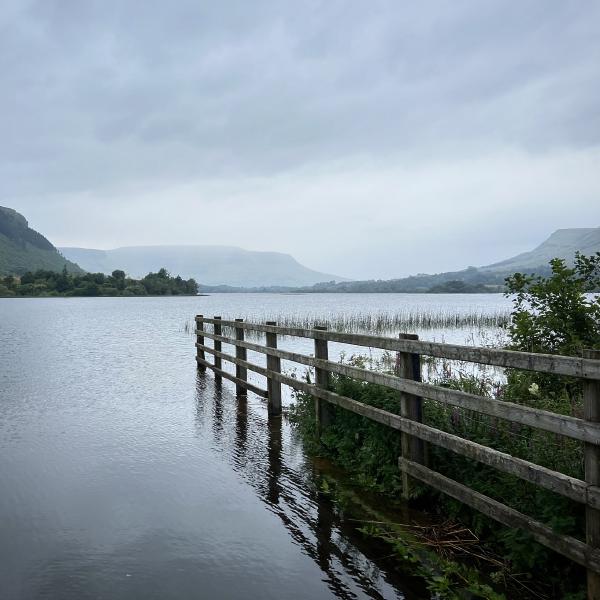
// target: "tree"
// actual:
[[63, 283], [556, 314], [553, 314], [10, 282], [27, 278], [119, 277], [191, 287]]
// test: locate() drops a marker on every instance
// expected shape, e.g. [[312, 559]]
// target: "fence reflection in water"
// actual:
[[264, 451]]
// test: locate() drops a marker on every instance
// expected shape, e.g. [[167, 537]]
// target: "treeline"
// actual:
[[50, 283], [468, 281]]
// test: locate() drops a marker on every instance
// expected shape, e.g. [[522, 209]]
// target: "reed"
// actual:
[[381, 322]]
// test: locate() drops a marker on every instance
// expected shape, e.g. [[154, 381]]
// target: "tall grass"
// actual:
[[381, 322]]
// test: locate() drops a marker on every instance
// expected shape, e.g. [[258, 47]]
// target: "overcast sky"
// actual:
[[368, 139]]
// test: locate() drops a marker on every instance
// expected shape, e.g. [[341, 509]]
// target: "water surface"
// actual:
[[126, 474]]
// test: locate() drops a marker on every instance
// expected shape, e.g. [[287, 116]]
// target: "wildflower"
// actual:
[[534, 389]]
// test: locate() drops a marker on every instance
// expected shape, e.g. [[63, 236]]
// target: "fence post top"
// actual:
[[408, 336]]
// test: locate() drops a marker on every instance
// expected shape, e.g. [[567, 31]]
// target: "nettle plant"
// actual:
[[558, 314]]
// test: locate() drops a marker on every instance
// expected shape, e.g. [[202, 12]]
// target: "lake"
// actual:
[[126, 474]]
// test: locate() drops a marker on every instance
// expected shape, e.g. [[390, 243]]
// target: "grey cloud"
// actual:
[[99, 97]]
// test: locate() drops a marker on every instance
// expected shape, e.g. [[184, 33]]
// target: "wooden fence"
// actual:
[[415, 434]]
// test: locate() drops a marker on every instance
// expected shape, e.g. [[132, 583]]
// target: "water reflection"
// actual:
[[125, 475], [267, 455]]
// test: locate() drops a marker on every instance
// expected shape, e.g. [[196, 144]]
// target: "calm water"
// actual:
[[125, 474]]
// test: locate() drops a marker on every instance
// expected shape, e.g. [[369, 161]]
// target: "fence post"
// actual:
[[217, 347], [241, 353], [408, 366], [273, 364], [200, 340], [591, 410], [323, 410]]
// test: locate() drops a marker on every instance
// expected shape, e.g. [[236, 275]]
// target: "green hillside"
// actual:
[[23, 249]]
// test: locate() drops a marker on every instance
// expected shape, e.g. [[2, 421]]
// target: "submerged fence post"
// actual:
[[591, 412], [323, 410], [217, 347], [242, 354], [200, 340], [274, 365], [408, 366]]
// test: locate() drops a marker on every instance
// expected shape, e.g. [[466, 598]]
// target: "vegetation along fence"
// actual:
[[415, 434]]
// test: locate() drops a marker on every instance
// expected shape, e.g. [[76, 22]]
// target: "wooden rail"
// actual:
[[415, 434]]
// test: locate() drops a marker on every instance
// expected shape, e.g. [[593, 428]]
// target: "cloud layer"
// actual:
[[343, 132]]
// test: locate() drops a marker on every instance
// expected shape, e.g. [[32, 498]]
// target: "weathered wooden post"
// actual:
[[273, 365], [323, 410], [242, 354], [274, 454], [591, 410], [217, 347], [408, 366], [324, 530], [200, 340]]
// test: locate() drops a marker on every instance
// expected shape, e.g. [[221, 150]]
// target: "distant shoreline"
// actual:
[[254, 293]]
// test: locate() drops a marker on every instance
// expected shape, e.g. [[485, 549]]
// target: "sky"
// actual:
[[370, 139]]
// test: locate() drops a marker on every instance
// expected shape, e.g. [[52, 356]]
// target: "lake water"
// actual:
[[126, 474]]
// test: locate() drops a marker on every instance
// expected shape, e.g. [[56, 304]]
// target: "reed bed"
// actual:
[[381, 322]]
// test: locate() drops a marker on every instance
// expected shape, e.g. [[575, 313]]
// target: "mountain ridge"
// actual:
[[208, 264], [233, 269], [563, 243]]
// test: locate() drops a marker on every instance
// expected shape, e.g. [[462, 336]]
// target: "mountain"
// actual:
[[563, 243], [23, 249], [209, 265]]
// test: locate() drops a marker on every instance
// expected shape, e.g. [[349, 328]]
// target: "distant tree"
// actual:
[[191, 287], [63, 282], [27, 278], [119, 279], [10, 282], [89, 288]]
